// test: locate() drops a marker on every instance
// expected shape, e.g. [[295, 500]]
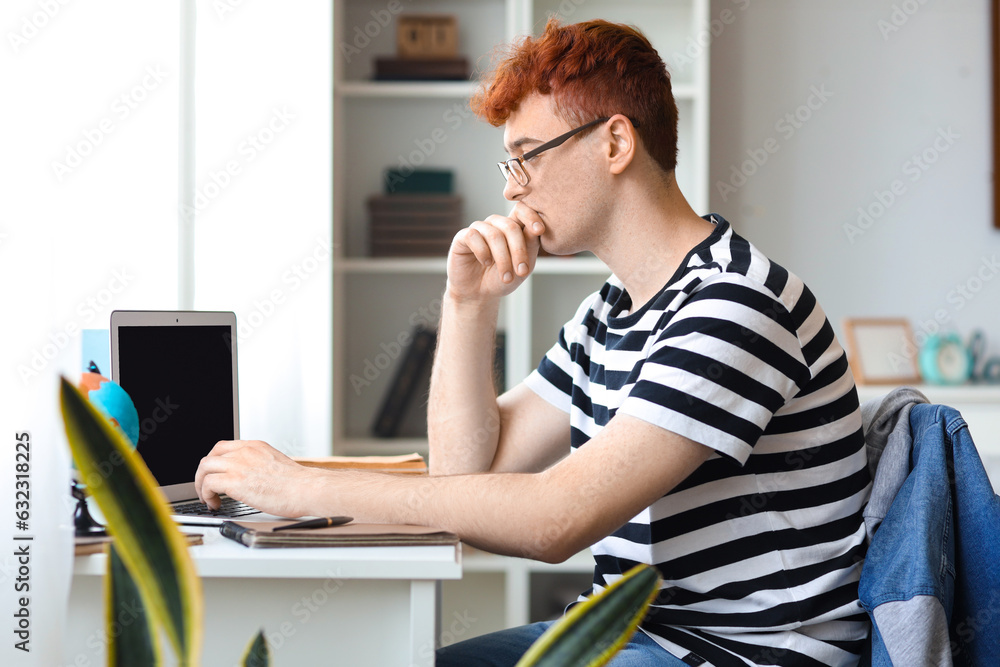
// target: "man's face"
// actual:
[[563, 181]]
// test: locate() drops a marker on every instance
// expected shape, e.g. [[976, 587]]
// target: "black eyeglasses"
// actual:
[[514, 167]]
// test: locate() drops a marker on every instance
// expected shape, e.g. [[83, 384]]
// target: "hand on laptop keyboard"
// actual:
[[230, 507]]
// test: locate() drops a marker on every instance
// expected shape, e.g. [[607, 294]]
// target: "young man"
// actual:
[[711, 415]]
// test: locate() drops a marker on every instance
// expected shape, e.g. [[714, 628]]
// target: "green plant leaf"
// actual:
[[593, 631], [127, 623], [150, 545], [257, 653]]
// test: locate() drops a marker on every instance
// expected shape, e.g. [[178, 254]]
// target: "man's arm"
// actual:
[[549, 515], [469, 429]]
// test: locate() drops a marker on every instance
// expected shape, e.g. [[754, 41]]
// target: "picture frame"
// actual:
[[880, 350]]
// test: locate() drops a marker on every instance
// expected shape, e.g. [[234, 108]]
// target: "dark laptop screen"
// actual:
[[181, 381]]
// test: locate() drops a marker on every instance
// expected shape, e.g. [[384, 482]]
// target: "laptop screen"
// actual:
[[181, 381]]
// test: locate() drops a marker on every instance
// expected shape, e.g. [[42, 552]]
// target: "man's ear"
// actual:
[[623, 145]]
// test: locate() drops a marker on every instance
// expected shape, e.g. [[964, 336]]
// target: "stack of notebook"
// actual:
[[261, 534]]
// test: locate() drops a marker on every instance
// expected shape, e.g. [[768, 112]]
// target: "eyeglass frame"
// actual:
[[507, 171]]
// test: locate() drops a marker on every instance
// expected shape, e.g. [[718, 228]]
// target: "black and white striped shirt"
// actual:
[[760, 548]]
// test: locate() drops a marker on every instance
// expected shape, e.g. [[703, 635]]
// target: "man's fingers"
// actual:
[[226, 446], [528, 219], [513, 237], [212, 466], [477, 245], [212, 486], [499, 248]]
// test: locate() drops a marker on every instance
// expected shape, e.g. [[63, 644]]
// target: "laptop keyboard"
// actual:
[[230, 507]]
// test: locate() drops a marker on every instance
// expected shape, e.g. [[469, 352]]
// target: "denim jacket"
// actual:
[[931, 580]]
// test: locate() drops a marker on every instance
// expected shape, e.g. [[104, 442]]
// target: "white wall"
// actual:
[[89, 194], [264, 98], [897, 77], [89, 224]]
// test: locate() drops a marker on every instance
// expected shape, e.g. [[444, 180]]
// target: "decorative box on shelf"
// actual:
[[427, 36], [426, 50]]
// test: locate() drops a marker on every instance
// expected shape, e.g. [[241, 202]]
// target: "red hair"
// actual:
[[593, 69]]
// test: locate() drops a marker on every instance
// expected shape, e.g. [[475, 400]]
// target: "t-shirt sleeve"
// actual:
[[726, 362], [553, 378]]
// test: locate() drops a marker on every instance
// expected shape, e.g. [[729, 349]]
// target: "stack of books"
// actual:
[[413, 225], [261, 534]]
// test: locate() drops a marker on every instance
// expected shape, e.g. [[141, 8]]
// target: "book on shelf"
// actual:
[[260, 534], [500, 362], [419, 181], [412, 422], [422, 69], [413, 365]]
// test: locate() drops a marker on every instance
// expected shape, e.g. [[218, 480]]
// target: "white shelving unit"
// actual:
[[376, 301], [979, 405]]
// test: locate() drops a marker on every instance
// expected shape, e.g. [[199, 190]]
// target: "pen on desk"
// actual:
[[322, 522]]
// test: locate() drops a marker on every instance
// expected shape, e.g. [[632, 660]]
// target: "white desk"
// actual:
[[345, 606]]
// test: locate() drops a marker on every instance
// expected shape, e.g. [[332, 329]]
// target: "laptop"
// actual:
[[179, 368]]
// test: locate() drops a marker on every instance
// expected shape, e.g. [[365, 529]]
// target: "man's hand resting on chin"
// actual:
[[255, 473]]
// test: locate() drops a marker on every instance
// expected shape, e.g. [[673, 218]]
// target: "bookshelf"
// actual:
[[380, 124]]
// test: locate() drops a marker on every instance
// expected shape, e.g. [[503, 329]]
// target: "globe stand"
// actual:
[[85, 524]]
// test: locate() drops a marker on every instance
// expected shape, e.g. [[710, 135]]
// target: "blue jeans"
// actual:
[[505, 648]]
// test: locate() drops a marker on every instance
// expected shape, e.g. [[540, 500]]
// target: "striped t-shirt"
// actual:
[[761, 548]]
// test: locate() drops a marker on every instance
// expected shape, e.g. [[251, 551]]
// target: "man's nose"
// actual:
[[514, 191]]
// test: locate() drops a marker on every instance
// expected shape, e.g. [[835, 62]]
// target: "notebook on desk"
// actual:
[[179, 368]]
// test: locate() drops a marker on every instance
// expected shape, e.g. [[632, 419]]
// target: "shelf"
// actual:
[[946, 394], [474, 560], [391, 265], [406, 89]]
